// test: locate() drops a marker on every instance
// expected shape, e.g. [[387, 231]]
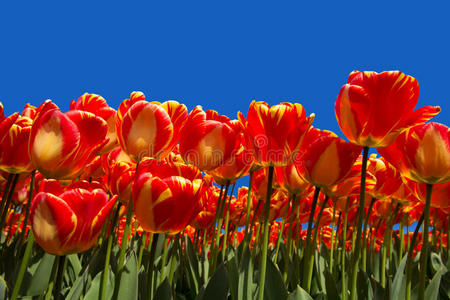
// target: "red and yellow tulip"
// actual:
[[373, 109]]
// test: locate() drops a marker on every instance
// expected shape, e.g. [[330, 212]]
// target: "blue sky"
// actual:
[[220, 55]]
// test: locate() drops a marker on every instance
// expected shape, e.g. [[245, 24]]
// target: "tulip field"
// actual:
[[144, 202]]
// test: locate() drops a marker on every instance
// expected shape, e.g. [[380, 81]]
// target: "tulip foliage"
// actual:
[[142, 203]]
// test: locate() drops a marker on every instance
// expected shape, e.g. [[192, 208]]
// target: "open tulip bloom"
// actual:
[[140, 202]]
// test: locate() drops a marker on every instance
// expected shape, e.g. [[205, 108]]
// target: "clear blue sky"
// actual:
[[219, 54]]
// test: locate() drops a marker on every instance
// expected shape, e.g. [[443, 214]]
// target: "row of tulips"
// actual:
[[140, 202]]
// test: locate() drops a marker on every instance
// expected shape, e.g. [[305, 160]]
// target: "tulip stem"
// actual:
[[364, 243], [249, 204], [401, 241], [289, 239], [8, 201], [344, 241], [424, 251], [309, 246], [357, 252], [23, 266], [409, 259], [280, 235], [27, 212], [59, 277], [227, 223], [265, 243], [51, 283], [312, 247], [332, 237], [219, 217]]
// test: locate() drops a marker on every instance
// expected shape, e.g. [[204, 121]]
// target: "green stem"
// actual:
[[27, 212], [8, 202], [280, 235], [249, 205], [424, 251], [308, 249], [51, 283], [289, 239], [332, 237], [150, 264], [23, 266], [401, 242], [265, 242], [344, 240], [59, 277], [164, 260], [409, 259], [364, 244], [227, 222], [356, 254], [108, 251], [216, 244]]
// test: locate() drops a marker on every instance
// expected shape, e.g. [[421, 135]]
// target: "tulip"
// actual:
[[147, 129], [97, 105], [208, 139], [422, 153], [119, 174], [275, 133], [61, 145], [373, 109], [325, 159], [165, 195], [69, 219]]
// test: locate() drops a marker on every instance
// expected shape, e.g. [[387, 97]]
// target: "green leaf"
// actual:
[[193, 272], [436, 262], [299, 294], [432, 291], [163, 292], [274, 288], [75, 262], [246, 277], [3, 288], [330, 284], [233, 272], [128, 285], [398, 279], [217, 287], [39, 281], [94, 291]]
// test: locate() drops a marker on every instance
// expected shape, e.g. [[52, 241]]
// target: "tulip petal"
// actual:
[[53, 222]]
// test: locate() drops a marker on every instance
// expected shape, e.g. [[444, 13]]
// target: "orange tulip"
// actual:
[[14, 157], [119, 169], [69, 219], [325, 159], [388, 179], [422, 153], [147, 129], [61, 145], [208, 139], [290, 181], [275, 133], [166, 195], [97, 105], [373, 109]]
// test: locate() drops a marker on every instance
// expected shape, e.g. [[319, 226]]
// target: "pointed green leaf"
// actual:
[[398, 279], [128, 286], [299, 294], [39, 281], [330, 283], [94, 291], [163, 292], [274, 287], [432, 291], [217, 287]]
